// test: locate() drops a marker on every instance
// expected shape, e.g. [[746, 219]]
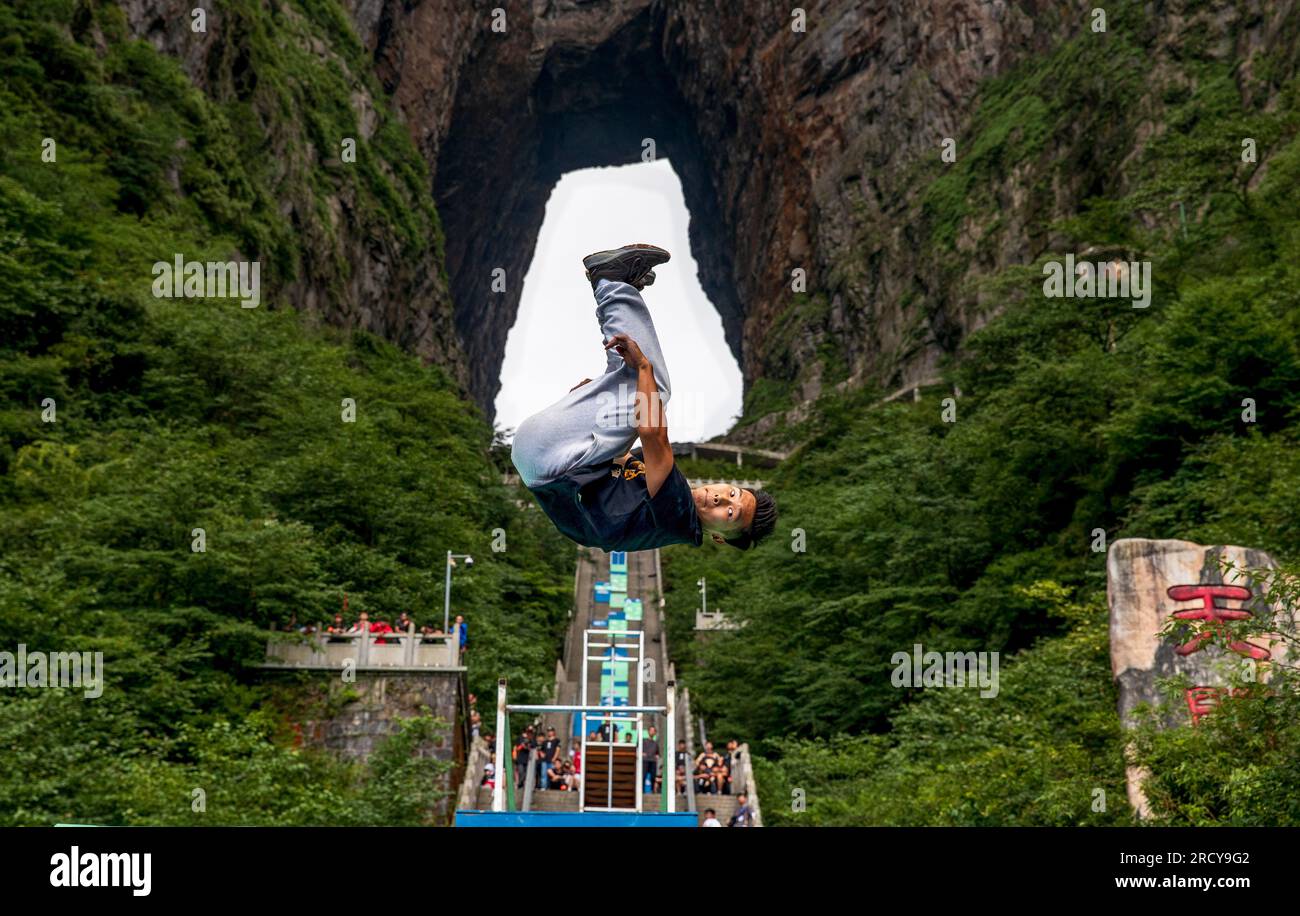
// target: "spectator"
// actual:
[[681, 780], [555, 775], [404, 623], [338, 626], [711, 819], [744, 816], [489, 775], [521, 752], [650, 757], [730, 762], [475, 723], [720, 784], [548, 753], [461, 630], [381, 627], [575, 754], [706, 766], [681, 758], [571, 780]]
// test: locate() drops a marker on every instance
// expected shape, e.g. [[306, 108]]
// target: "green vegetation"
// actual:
[[174, 415], [126, 423], [976, 535]]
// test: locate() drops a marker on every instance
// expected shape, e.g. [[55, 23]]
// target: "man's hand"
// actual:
[[628, 349]]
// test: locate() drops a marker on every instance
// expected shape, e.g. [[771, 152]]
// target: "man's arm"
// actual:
[[651, 422]]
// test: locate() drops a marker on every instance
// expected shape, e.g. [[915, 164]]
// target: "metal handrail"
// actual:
[[690, 751], [750, 783], [530, 781], [502, 800], [552, 707]]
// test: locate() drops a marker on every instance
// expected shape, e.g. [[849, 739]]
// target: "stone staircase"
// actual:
[[542, 801], [644, 582]]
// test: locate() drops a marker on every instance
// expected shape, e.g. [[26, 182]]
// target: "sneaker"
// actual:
[[630, 264]]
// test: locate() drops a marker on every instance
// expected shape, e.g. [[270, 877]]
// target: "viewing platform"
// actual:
[[390, 652]]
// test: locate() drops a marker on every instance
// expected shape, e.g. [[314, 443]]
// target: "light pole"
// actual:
[[446, 607], [704, 594]]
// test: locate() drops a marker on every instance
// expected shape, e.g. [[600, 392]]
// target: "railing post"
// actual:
[[408, 646], [502, 740], [668, 759]]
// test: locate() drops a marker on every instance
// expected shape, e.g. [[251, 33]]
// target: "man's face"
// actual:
[[724, 510]]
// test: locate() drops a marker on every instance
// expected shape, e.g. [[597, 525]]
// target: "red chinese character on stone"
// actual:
[[1215, 616], [1202, 700]]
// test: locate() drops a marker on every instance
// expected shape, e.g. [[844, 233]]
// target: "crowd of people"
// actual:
[[711, 770], [540, 755], [544, 759], [404, 623]]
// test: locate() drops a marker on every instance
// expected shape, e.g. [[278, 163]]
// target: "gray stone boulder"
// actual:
[[1139, 575]]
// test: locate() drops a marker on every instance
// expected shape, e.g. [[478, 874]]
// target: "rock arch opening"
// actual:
[[554, 342], [598, 95]]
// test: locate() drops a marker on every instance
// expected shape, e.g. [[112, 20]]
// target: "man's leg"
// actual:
[[595, 423]]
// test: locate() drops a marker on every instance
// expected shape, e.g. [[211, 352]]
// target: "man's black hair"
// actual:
[[762, 524]]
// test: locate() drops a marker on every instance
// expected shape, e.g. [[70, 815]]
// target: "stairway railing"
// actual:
[[504, 800]]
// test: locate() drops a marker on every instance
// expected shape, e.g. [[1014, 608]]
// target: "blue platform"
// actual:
[[575, 819]]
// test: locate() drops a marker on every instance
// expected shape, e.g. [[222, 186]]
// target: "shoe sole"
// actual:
[[653, 254]]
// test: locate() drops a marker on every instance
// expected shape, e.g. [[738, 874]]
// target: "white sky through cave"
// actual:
[[555, 342]]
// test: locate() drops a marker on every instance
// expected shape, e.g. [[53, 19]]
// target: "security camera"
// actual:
[[469, 561]]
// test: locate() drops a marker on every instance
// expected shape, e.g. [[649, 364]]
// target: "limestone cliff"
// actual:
[[815, 150]]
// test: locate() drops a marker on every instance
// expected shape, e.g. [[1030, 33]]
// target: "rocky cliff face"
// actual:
[[790, 146], [815, 150], [359, 240]]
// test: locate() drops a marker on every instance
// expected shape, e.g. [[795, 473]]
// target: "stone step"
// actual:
[[555, 801]]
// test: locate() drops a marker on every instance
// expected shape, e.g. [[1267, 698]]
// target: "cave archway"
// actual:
[[554, 341], [518, 124]]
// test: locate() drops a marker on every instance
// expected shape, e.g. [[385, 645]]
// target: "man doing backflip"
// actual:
[[574, 455]]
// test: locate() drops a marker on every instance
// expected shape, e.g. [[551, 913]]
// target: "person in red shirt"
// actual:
[[381, 626]]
